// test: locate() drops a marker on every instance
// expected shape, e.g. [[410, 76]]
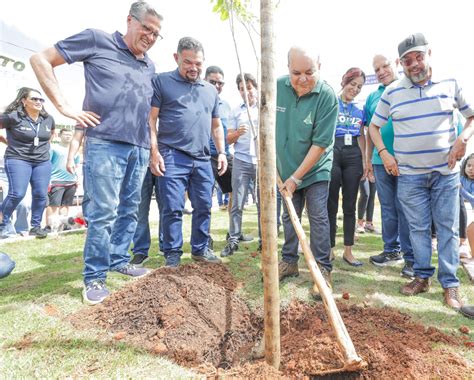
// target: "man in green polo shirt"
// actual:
[[306, 120]]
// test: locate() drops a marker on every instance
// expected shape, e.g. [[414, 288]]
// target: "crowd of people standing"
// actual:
[[172, 133]]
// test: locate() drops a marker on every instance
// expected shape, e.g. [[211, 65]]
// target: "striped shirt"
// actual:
[[424, 123]]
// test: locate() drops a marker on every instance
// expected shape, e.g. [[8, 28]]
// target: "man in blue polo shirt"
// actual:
[[118, 75], [426, 149], [188, 112], [395, 234]]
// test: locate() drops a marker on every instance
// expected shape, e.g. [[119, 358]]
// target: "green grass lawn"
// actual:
[[45, 287]]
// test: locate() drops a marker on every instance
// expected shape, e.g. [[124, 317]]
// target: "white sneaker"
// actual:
[[464, 251]]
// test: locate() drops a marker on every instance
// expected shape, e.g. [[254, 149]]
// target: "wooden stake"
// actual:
[[267, 177]]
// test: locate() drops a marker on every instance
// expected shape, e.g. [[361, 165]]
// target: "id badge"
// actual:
[[36, 141], [347, 139]]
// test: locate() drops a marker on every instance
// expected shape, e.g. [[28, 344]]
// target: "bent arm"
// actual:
[[43, 65]]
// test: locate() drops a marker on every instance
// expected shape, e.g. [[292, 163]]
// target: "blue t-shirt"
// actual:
[[350, 119], [118, 85], [467, 190], [224, 114], [59, 174], [186, 113]]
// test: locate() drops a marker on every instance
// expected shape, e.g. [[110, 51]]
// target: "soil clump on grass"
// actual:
[[192, 315]]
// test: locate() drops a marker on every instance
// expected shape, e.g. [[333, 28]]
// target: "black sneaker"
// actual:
[[139, 259], [386, 259], [38, 232], [408, 271], [229, 249], [207, 256]]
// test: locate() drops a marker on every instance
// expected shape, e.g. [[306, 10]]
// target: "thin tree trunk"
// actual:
[[267, 175]]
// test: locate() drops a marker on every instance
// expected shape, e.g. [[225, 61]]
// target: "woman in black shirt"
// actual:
[[29, 129]]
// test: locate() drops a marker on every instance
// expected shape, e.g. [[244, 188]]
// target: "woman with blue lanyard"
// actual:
[[349, 153], [29, 130]]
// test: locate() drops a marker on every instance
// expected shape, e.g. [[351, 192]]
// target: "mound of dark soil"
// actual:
[[191, 315]]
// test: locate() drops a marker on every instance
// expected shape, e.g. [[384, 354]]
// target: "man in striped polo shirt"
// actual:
[[426, 149]]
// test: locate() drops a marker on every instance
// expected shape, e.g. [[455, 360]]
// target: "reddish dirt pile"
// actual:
[[191, 315]]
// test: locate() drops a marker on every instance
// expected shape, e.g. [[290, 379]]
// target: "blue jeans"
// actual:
[[395, 231], [22, 210], [6, 265], [222, 199], [142, 237], [113, 177], [427, 197], [21, 173], [243, 173], [184, 173], [316, 198]]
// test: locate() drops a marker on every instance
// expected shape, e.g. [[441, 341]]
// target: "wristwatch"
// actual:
[[296, 180], [220, 152]]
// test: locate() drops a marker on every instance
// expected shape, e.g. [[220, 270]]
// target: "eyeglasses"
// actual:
[[408, 61], [216, 82], [33, 99], [156, 35]]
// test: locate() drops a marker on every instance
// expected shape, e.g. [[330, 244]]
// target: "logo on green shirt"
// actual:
[[308, 120]]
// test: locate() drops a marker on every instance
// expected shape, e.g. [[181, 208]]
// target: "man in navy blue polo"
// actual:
[[188, 112], [118, 75]]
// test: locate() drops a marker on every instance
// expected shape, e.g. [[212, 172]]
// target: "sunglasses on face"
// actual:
[[34, 99], [408, 61], [216, 82]]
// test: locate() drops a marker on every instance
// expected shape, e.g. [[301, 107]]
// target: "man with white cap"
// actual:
[[426, 150]]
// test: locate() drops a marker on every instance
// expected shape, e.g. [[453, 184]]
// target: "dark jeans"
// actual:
[[365, 204], [20, 173], [346, 171], [184, 173], [142, 237], [462, 219], [395, 233], [315, 196]]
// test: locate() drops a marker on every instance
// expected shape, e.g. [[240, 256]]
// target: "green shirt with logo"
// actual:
[[386, 131], [302, 122]]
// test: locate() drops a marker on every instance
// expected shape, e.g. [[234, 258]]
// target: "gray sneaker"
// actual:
[[138, 260], [95, 292], [132, 271], [207, 256]]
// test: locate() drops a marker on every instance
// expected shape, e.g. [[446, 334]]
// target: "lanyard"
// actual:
[[36, 130], [36, 127]]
